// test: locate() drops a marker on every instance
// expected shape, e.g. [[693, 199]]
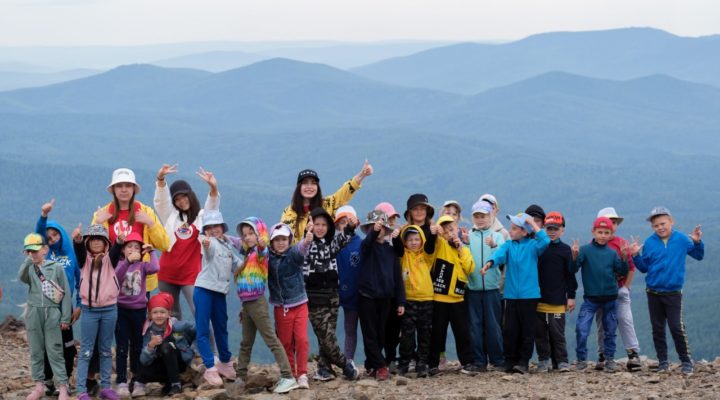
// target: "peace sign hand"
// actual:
[[696, 234], [165, 170], [635, 246], [208, 177]]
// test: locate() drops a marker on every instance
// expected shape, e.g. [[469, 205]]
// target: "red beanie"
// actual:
[[604, 223], [162, 299]]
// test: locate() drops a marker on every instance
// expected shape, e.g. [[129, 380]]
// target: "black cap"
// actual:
[[307, 173], [416, 200], [535, 210], [179, 187]]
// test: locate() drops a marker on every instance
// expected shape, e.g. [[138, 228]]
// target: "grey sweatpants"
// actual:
[[44, 335], [626, 326]]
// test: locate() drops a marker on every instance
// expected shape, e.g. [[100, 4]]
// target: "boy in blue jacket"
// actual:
[[663, 260], [600, 265]]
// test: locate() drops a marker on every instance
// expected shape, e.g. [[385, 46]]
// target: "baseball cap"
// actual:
[[555, 219], [307, 173], [521, 220], [482, 207], [490, 199], [603, 222], [34, 242], [657, 211], [345, 211], [280, 230], [453, 203], [445, 219]]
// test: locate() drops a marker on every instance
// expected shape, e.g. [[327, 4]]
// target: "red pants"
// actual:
[[291, 326]]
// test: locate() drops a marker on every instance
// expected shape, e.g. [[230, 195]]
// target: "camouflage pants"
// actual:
[[416, 322], [323, 319]]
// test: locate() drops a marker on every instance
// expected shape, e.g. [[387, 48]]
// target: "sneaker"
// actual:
[[543, 366], [108, 394], [138, 389], [687, 368], [611, 366], [470, 369], [663, 367], [122, 390], [402, 370], [421, 370], [600, 364], [443, 360], [285, 385], [226, 369], [521, 369], [633, 363], [63, 393], [434, 371], [350, 371], [37, 391], [175, 388], [323, 374], [393, 367], [212, 377], [370, 373], [581, 365], [50, 388], [383, 374], [563, 367], [302, 382]]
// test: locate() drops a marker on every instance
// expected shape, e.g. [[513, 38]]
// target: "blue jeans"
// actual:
[[210, 306], [485, 310], [96, 322], [584, 323]]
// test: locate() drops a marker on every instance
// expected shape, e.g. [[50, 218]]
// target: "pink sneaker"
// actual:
[[226, 369], [64, 395], [212, 377], [37, 392]]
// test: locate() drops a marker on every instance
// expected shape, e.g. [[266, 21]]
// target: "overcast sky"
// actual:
[[115, 22]]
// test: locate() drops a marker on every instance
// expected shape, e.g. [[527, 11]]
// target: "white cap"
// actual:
[[123, 175], [453, 203], [609, 212], [490, 199], [345, 211], [282, 230]]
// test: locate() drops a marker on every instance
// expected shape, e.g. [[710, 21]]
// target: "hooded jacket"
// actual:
[[52, 271], [450, 271], [664, 263], [380, 275], [320, 266], [62, 252], [329, 203], [521, 265], [182, 333], [482, 253], [98, 287], [285, 277], [220, 259], [416, 266], [253, 277]]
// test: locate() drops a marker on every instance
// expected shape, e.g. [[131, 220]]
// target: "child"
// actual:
[[287, 295], [453, 264], [419, 212], [417, 319], [220, 259], [496, 225], [99, 289], [321, 283], [131, 272], [600, 265], [483, 295], [380, 282], [522, 291], [49, 311], [251, 279], [166, 350], [557, 291], [453, 209], [663, 259], [625, 323], [348, 262], [61, 251]]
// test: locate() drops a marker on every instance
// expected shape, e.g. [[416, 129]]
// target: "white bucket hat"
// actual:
[[123, 175], [610, 212]]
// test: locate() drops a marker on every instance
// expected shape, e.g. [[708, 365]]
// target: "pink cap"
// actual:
[[388, 209]]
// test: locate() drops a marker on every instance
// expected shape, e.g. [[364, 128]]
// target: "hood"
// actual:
[[64, 246], [320, 212], [420, 231], [257, 225]]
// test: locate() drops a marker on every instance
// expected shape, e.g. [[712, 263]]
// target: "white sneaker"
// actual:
[[122, 390], [303, 382], [138, 390], [285, 385]]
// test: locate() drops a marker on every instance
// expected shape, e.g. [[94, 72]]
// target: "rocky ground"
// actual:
[[15, 382]]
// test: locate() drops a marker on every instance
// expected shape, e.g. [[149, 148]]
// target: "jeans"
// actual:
[[584, 323], [96, 323], [128, 331], [484, 310], [626, 326], [210, 306]]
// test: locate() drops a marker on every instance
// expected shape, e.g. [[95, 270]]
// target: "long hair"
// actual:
[[191, 214], [116, 211], [298, 205]]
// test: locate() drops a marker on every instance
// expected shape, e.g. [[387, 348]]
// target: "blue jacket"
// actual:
[[348, 260], [182, 333], [482, 253], [285, 276], [665, 264], [521, 265], [63, 253], [600, 266]]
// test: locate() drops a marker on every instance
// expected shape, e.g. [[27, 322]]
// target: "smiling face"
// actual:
[[308, 188], [37, 256], [418, 214], [662, 225], [159, 316], [452, 211], [182, 202], [320, 227], [124, 191], [280, 244], [602, 235], [53, 236], [450, 230]]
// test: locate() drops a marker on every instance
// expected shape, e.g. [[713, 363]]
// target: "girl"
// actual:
[[45, 316], [181, 215], [131, 272], [308, 196], [287, 295], [348, 262], [219, 261], [321, 283], [252, 280], [99, 290], [419, 212]]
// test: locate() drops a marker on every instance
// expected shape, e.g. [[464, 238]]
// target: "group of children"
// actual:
[[503, 292]]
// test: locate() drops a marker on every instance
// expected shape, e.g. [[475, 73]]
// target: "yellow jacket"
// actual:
[[155, 236], [330, 204], [416, 267], [450, 271]]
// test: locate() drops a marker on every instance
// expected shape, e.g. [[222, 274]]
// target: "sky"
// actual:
[[136, 22]]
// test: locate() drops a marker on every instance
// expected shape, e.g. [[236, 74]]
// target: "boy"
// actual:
[[348, 263], [663, 259], [557, 291], [600, 265], [626, 326], [166, 348], [453, 264], [379, 284], [522, 291], [483, 296]]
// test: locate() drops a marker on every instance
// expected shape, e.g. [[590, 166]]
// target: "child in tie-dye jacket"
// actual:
[[252, 280]]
